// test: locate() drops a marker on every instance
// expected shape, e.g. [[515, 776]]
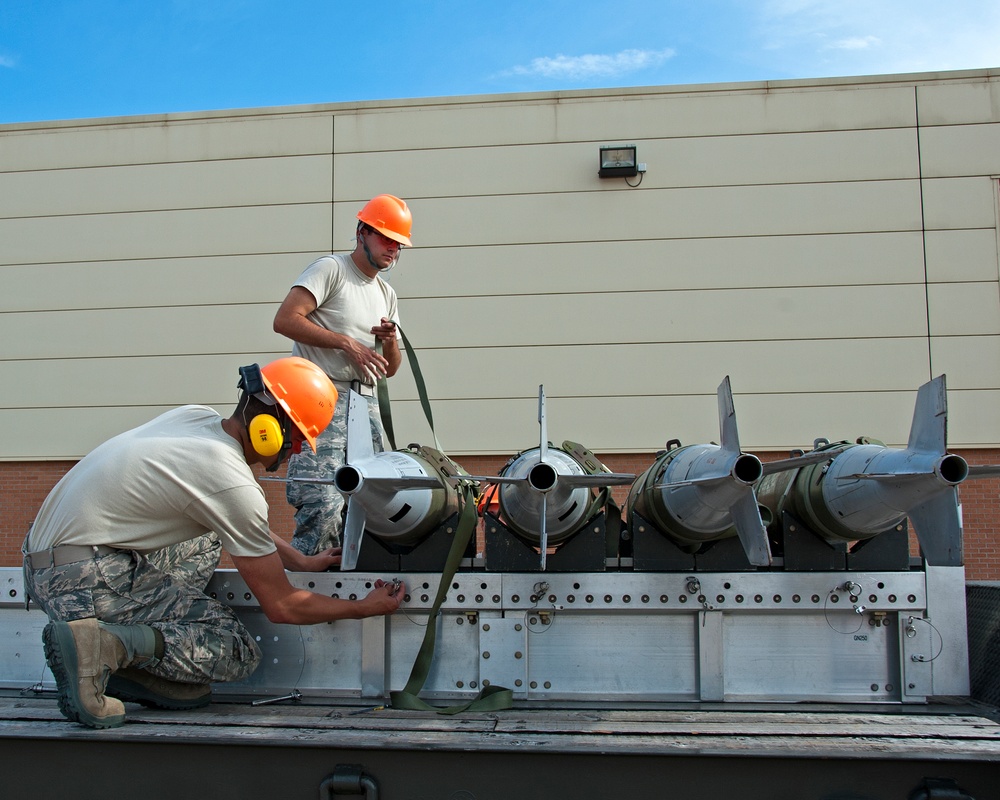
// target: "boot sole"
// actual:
[[133, 692], [60, 652]]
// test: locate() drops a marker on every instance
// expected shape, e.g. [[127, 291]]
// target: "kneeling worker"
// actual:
[[123, 546]]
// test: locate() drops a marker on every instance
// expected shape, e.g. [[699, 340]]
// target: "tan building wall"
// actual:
[[830, 245]]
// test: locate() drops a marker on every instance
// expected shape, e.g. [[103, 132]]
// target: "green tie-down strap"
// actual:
[[491, 698], [382, 392]]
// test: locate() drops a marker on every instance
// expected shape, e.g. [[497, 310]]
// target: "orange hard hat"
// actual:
[[390, 216], [304, 391], [489, 500]]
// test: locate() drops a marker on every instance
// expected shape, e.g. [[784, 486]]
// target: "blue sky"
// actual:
[[71, 59]]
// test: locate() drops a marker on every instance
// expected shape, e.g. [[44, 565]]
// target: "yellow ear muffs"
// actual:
[[265, 435]]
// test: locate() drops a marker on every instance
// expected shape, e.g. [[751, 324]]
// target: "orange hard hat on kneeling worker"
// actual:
[[304, 391]]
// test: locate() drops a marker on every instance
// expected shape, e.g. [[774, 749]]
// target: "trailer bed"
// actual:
[[235, 749]]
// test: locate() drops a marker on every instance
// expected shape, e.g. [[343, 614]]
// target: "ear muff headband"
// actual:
[[266, 435]]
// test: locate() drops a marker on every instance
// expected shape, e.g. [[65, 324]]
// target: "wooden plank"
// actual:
[[144, 728], [644, 731]]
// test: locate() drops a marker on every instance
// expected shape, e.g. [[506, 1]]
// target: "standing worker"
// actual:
[[129, 620], [337, 312]]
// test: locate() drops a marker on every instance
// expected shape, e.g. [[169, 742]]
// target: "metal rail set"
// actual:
[[723, 578]]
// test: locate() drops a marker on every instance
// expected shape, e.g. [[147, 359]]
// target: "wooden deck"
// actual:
[[288, 749]]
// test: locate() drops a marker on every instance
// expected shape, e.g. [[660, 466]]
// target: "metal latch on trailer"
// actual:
[[348, 779], [939, 789]]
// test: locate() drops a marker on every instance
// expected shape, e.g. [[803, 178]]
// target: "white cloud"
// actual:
[[856, 43], [6, 61], [593, 66], [885, 36]]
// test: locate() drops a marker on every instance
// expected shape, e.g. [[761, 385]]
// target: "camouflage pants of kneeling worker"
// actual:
[[140, 628]]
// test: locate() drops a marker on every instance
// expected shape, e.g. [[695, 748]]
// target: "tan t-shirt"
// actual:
[[175, 478], [347, 302]]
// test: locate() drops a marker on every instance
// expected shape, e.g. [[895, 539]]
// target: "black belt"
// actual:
[[364, 389], [66, 554]]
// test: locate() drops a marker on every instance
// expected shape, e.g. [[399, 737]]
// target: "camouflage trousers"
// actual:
[[320, 507], [203, 639]]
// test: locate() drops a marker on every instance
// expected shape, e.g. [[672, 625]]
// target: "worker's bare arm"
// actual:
[[292, 320], [283, 603]]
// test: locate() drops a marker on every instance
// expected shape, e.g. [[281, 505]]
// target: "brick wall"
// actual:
[[981, 519], [24, 485]]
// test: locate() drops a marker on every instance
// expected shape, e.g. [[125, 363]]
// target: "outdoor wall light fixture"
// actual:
[[618, 161]]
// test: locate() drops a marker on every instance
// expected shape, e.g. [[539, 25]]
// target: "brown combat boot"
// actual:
[[82, 656], [138, 686]]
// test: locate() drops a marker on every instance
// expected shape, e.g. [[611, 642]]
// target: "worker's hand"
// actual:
[[321, 562], [385, 330], [368, 363], [386, 597]]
